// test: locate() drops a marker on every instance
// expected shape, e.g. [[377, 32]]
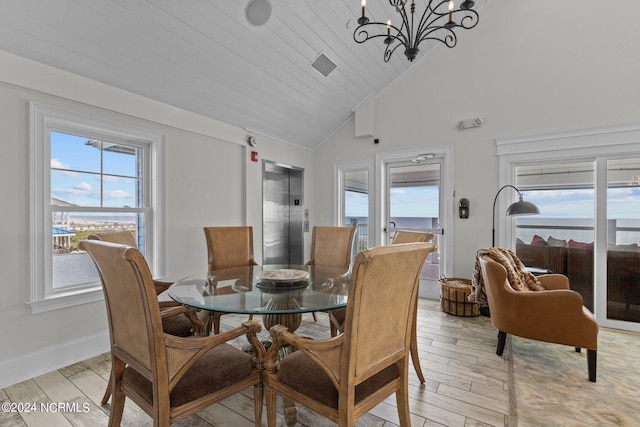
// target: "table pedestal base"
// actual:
[[292, 321]]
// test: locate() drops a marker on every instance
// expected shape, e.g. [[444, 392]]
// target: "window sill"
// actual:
[[66, 300]]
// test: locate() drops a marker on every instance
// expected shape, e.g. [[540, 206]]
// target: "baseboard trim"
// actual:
[[52, 358]]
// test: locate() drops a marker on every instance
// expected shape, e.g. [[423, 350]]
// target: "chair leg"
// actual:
[[118, 397], [592, 361], [502, 338], [413, 349], [216, 322], [402, 402], [271, 398], [257, 403], [315, 318], [107, 392]]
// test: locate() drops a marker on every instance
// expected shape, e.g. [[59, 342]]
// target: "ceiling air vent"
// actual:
[[323, 64]]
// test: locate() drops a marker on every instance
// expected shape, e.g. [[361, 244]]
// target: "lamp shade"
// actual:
[[518, 208], [522, 207]]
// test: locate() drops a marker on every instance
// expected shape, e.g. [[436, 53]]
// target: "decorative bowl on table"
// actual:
[[282, 279]]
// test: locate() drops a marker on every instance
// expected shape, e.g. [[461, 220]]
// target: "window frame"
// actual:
[[43, 120]]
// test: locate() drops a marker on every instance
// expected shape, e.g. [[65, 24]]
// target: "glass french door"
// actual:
[[622, 295], [414, 202], [588, 229]]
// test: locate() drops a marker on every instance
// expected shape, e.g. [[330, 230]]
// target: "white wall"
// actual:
[[528, 68], [210, 181]]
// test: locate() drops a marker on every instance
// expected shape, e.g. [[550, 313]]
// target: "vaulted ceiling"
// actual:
[[203, 56]]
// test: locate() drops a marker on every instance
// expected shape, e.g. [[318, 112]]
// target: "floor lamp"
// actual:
[[521, 207]]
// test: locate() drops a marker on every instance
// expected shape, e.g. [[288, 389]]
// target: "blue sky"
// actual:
[[624, 202], [419, 202], [77, 175]]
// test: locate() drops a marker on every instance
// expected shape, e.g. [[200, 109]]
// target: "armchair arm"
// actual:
[[545, 303], [554, 281], [326, 353], [182, 353], [161, 286], [169, 304], [172, 310], [554, 316]]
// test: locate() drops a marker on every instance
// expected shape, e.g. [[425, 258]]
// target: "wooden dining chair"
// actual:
[[227, 247], [176, 319], [344, 377], [410, 236], [331, 247], [337, 318], [169, 377]]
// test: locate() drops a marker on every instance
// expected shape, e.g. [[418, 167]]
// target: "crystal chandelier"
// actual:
[[438, 22]]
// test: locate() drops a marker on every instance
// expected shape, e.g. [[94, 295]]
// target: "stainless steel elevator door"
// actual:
[[282, 213]]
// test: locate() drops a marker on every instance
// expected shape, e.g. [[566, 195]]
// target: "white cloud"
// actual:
[[84, 187], [118, 194], [57, 164]]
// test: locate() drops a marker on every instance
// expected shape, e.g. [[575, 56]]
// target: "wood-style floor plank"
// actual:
[[466, 383]]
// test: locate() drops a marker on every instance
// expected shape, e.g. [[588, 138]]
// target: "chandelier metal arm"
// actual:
[[435, 24], [430, 16], [361, 34]]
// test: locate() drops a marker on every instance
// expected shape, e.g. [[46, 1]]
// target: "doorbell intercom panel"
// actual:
[[464, 208]]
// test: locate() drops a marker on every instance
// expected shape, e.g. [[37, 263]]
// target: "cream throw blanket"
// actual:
[[519, 278]]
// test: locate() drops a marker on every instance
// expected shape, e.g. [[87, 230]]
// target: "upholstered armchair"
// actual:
[[344, 377], [168, 377], [555, 315], [227, 247]]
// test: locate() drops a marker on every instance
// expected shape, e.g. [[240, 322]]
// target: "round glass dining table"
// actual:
[[281, 293]]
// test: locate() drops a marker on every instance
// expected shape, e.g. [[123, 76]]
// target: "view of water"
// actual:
[[621, 231], [406, 223]]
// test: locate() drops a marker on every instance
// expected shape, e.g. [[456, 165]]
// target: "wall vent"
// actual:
[[323, 64]]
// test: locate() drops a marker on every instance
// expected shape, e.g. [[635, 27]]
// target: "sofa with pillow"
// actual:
[[575, 260]]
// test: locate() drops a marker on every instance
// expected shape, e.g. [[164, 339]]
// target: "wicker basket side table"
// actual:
[[454, 297]]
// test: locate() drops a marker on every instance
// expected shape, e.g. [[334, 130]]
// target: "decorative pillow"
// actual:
[[519, 241], [633, 247], [556, 242], [581, 245], [538, 241]]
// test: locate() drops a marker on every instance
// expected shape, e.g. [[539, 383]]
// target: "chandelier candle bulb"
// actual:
[[451, 11], [363, 19]]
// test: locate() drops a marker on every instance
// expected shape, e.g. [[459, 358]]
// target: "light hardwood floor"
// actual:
[[466, 384]]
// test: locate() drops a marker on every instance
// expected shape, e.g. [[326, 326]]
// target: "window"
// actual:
[[561, 238], [353, 201], [88, 175], [585, 184]]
